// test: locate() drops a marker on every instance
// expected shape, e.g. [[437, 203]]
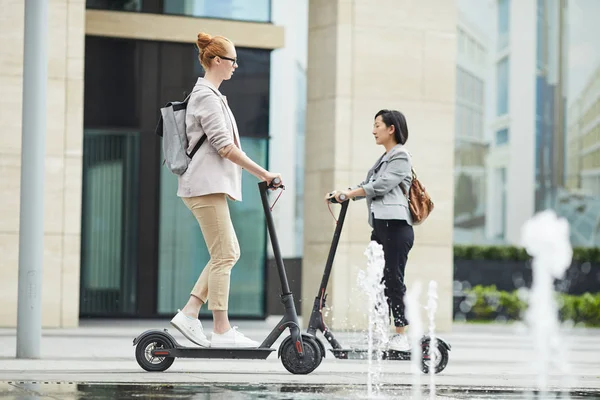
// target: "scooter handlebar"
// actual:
[[274, 184], [334, 200]]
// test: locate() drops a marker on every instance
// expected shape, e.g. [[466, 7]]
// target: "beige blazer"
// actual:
[[209, 114]]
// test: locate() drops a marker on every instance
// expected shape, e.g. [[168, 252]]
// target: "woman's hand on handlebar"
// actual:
[[338, 195], [269, 177]]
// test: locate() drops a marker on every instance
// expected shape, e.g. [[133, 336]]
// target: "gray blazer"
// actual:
[[384, 183], [209, 114]]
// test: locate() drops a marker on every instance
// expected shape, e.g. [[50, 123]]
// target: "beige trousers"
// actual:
[[212, 213]]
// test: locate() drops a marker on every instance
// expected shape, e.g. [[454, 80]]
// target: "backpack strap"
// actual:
[[197, 146]]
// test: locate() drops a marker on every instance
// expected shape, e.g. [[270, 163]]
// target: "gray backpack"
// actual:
[[171, 127]]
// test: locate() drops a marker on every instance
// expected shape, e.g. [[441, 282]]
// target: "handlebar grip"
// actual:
[[275, 183], [334, 200]]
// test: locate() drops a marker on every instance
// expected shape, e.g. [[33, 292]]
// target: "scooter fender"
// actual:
[[438, 339], [164, 333]]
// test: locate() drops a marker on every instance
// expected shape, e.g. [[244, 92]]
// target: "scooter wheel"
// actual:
[[292, 361], [143, 353], [440, 357]]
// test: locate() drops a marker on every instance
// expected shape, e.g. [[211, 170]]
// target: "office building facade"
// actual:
[[117, 240]]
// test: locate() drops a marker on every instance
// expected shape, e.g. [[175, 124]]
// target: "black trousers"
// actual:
[[397, 238]]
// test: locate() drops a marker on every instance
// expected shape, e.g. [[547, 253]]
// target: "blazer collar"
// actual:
[[393, 151], [204, 82]]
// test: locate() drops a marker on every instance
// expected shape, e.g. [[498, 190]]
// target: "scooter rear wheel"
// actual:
[[143, 353], [440, 357], [292, 361]]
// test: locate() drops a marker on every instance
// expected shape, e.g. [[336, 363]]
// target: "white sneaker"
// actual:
[[232, 338], [399, 342], [191, 328]]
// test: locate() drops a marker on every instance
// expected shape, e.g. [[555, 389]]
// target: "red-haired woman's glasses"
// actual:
[[233, 60]]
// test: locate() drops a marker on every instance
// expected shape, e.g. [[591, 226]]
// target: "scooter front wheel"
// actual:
[[144, 349], [300, 365]]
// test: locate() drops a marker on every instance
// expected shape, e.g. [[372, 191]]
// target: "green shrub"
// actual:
[[514, 253], [484, 306], [512, 305], [488, 302]]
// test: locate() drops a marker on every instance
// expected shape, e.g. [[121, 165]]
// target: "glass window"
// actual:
[[461, 41], [183, 253], [458, 82], [243, 10], [466, 87], [502, 76], [480, 96], [540, 34], [476, 128], [111, 83], [117, 5], [469, 121], [110, 223], [503, 201], [503, 23], [458, 120], [502, 137]]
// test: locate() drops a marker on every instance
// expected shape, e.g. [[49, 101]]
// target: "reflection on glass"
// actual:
[[183, 253], [109, 223], [503, 23], [117, 5], [541, 100], [470, 139], [502, 87], [243, 10], [501, 137]]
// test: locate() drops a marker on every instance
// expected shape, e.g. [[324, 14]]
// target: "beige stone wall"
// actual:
[[365, 55], [62, 194], [176, 28]]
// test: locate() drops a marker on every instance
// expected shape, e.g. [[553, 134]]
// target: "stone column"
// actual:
[[365, 55], [62, 213]]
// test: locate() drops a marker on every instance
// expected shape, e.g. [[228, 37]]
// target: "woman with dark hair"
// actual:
[[386, 189]]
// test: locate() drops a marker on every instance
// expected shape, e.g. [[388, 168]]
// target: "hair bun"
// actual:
[[203, 40]]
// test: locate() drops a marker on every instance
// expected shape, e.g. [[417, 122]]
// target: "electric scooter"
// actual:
[[317, 322], [300, 353]]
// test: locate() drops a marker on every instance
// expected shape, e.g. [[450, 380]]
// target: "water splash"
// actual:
[[546, 239], [371, 283], [413, 315], [432, 300]]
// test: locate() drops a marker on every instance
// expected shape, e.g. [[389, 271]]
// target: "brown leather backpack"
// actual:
[[419, 201]]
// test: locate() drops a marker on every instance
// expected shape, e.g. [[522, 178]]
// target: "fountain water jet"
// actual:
[[415, 331], [432, 298], [546, 239], [371, 283]]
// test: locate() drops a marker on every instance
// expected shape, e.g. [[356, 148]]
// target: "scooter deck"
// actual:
[[256, 353], [363, 354]]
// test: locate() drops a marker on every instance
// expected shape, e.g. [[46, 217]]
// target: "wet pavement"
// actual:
[[76, 391], [97, 361]]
